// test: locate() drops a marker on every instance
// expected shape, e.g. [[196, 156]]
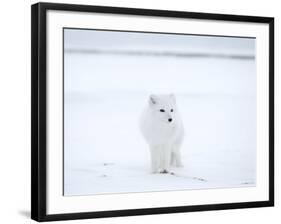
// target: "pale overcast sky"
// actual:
[[93, 39]]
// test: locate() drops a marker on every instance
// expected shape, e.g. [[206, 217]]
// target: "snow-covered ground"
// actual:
[[105, 94]]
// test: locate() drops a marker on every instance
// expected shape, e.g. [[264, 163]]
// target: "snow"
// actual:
[[104, 151]]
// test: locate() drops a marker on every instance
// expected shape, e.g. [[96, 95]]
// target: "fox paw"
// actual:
[[164, 171]]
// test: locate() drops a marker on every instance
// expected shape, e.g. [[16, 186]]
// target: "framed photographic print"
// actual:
[[140, 111]]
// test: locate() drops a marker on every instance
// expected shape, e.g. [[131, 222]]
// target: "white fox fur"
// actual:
[[162, 128]]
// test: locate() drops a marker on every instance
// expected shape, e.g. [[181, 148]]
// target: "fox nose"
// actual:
[[170, 119]]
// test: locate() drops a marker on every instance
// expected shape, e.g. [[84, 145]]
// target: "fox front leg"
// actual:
[[176, 156], [166, 158], [155, 158]]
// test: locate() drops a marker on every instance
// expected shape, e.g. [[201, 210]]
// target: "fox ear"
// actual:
[[172, 96], [152, 99]]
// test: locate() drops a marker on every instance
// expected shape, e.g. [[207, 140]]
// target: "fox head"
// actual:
[[163, 107]]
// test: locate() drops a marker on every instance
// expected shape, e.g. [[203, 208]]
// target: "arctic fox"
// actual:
[[162, 128]]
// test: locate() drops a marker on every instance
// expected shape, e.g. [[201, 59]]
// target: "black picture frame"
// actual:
[[39, 118]]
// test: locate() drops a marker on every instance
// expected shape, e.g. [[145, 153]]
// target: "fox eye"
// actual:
[[162, 110], [172, 110]]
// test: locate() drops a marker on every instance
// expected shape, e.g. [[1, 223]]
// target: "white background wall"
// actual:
[[15, 110]]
